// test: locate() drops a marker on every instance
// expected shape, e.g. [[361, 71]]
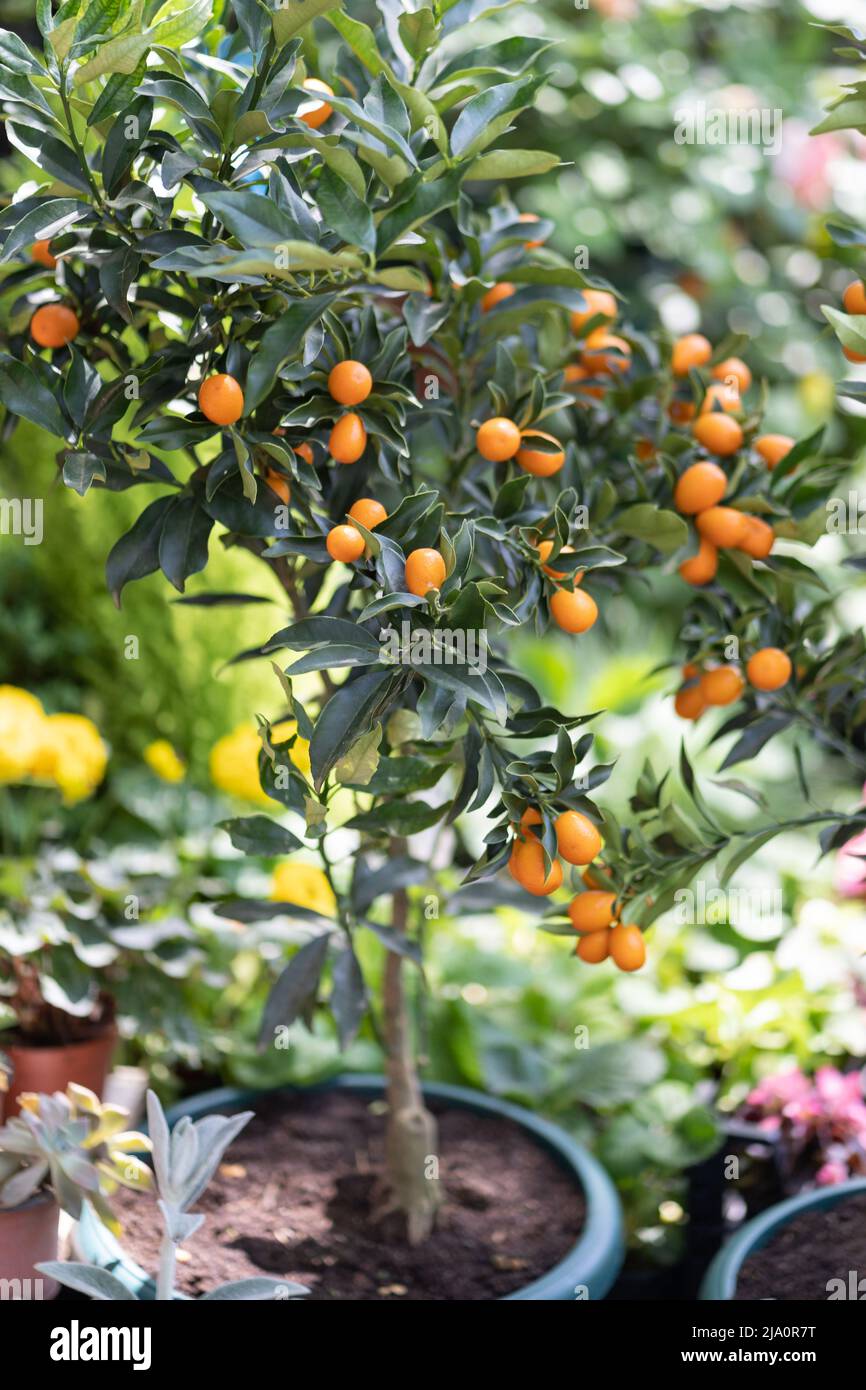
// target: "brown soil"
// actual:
[[295, 1198], [799, 1262]]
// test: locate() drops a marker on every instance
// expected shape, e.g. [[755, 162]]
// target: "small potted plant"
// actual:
[[184, 1161], [796, 1248], [61, 1151]]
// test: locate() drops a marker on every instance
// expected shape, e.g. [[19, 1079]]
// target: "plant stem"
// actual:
[[165, 1276], [412, 1139]]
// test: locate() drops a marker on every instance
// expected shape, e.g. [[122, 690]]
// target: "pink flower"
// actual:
[[850, 871], [830, 1173], [778, 1091]]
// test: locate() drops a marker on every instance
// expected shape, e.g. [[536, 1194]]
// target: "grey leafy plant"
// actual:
[[184, 1160], [73, 1146]]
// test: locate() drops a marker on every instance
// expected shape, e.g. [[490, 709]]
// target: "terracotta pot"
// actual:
[[50, 1069], [28, 1235]]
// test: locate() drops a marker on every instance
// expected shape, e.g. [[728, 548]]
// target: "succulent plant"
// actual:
[[184, 1160], [73, 1145]]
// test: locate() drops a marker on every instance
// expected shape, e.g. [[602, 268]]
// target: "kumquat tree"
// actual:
[[268, 271]]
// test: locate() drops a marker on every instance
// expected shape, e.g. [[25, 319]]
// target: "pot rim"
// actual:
[[720, 1280], [593, 1262], [41, 1199], [106, 1032]]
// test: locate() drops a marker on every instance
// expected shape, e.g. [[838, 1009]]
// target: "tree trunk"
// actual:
[[411, 1143]]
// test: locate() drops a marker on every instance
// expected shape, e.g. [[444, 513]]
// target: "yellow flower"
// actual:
[[72, 754], [162, 759], [305, 886], [234, 760], [21, 721]]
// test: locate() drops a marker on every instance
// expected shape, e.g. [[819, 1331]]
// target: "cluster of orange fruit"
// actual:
[[593, 914], [603, 354], [767, 669], [500, 439], [701, 488], [854, 302]]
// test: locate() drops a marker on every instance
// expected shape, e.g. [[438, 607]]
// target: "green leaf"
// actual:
[[43, 222], [398, 817], [348, 1001], [360, 39], [23, 394], [137, 553], [280, 343], [289, 20], [120, 55], [344, 212], [850, 329], [475, 119], [80, 469], [358, 765], [260, 835], [183, 541], [664, 530], [512, 164], [349, 713], [295, 990], [320, 631]]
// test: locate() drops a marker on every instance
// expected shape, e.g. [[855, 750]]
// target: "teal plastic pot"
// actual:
[[720, 1280], [592, 1263]]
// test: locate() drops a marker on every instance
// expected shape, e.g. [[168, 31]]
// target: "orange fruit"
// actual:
[[573, 611], [722, 686], [627, 947], [303, 451], [575, 375], [527, 866], [605, 354], [425, 570], [692, 350], [495, 295], [733, 369], [348, 439], [594, 948], [645, 450], [544, 548], [531, 816], [769, 668], [718, 433], [757, 539], [773, 447], [681, 411], [278, 484], [689, 703], [317, 113], [701, 568], [592, 911], [854, 298], [577, 839], [345, 543], [541, 465], [597, 302], [54, 325], [853, 356], [721, 396], [221, 399], [349, 382], [497, 439], [41, 252], [702, 485], [690, 670], [596, 877], [368, 511], [530, 217], [723, 526]]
